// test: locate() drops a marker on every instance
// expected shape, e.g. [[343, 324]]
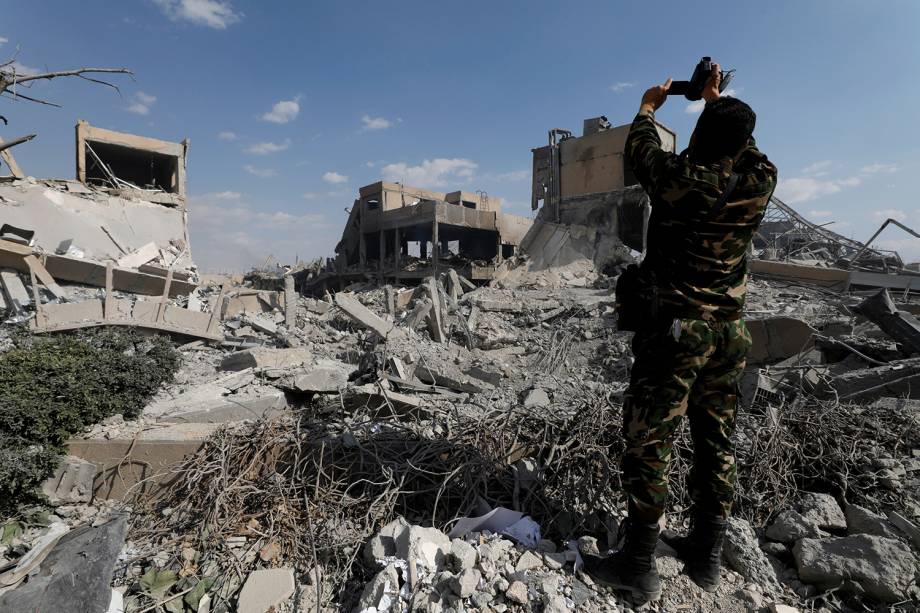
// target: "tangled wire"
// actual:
[[319, 487]]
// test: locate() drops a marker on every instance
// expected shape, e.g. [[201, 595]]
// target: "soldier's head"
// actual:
[[723, 129]]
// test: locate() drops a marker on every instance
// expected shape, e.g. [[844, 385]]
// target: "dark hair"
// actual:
[[723, 129]]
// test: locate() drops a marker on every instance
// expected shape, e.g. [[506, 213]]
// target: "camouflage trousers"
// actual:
[[683, 367]]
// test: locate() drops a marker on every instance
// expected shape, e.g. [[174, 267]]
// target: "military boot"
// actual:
[[633, 567], [701, 550]]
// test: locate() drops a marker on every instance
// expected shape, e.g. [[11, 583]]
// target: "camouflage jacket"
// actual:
[[695, 258]]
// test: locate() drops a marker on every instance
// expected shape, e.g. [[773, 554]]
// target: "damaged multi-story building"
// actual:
[[121, 225], [588, 200], [403, 233]]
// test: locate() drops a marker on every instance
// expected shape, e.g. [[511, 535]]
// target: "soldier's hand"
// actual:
[[711, 89], [655, 96]]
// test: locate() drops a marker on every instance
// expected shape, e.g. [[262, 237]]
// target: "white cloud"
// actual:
[[514, 175], [227, 135], [621, 86], [873, 169], [226, 195], [907, 248], [4, 40], [283, 111], [217, 14], [370, 164], [696, 107], [375, 123], [235, 234], [819, 214], [267, 147], [322, 195], [262, 173], [141, 103], [803, 189], [818, 169], [890, 213], [431, 173], [334, 177]]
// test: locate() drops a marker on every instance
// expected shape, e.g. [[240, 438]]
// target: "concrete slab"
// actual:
[[265, 357], [230, 409], [129, 466], [778, 338], [72, 481]]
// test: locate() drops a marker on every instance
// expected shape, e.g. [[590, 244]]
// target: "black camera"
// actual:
[[693, 89]]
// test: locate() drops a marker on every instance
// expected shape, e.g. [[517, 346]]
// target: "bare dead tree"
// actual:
[[12, 80]]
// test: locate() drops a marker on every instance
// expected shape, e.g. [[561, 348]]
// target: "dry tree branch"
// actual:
[[10, 78]]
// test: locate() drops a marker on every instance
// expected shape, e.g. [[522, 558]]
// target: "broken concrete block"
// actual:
[[899, 325], [385, 583], [489, 376], [362, 315], [743, 554], [536, 398], [265, 589], [893, 379], [777, 338], [383, 544], [446, 375], [326, 377], [466, 582], [17, 296], [261, 323], [229, 409], [864, 521], [517, 592], [72, 481], [789, 526], [883, 567], [427, 546], [528, 561], [506, 306], [418, 314], [139, 256], [265, 357], [906, 526], [320, 307], [76, 575], [463, 555], [823, 511], [123, 462]]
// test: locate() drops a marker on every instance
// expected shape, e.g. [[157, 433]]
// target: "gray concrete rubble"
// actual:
[[332, 423]]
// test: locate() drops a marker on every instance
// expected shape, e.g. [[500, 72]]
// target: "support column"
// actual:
[[383, 253], [498, 248], [435, 246], [397, 248], [362, 250]]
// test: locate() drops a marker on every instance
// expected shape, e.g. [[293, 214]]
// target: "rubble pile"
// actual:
[[434, 433], [326, 446]]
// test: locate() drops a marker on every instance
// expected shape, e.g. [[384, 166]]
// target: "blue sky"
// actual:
[[291, 106]]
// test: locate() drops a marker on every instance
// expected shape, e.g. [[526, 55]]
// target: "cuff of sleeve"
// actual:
[[646, 112]]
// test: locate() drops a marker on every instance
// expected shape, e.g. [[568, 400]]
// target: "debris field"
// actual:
[[392, 430]]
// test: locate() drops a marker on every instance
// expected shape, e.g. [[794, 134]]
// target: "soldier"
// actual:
[[690, 349]]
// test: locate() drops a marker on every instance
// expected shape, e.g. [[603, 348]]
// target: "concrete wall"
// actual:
[[513, 228], [55, 214]]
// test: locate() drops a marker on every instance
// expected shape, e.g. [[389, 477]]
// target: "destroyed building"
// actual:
[[403, 232], [439, 428], [588, 201]]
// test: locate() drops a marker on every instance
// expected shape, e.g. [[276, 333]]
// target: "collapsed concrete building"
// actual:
[[122, 225], [588, 200], [404, 232]]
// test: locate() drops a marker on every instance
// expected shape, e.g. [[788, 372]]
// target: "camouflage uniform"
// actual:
[[690, 354]]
